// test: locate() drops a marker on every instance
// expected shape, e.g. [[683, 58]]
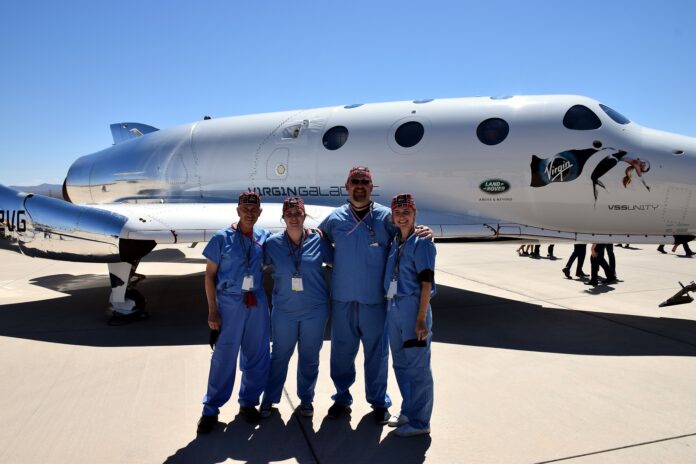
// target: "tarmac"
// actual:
[[529, 367]]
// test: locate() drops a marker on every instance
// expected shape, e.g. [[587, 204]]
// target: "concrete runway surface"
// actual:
[[529, 367]]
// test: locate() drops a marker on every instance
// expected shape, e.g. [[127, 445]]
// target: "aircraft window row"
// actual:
[[615, 115], [492, 131], [580, 117], [335, 137]]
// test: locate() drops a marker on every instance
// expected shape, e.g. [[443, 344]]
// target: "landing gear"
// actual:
[[126, 303]]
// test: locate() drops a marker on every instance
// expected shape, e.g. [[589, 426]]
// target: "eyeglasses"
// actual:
[[360, 182]]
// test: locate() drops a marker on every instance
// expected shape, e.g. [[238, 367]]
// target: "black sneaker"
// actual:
[[250, 413], [206, 424], [381, 416], [337, 410], [566, 272]]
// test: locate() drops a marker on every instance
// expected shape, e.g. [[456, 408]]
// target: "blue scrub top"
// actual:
[[228, 249], [360, 252], [315, 251], [417, 255]]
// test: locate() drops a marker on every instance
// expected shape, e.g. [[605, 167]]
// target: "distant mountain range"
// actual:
[[50, 190]]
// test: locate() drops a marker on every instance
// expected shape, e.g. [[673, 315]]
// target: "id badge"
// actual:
[[392, 289], [297, 283], [248, 283], [374, 243]]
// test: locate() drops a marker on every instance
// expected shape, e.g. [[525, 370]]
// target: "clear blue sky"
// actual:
[[71, 68]]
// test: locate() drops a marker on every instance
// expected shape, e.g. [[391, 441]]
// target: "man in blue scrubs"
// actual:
[[300, 305], [361, 232], [238, 308]]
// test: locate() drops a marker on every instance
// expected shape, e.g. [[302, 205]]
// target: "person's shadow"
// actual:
[[336, 442], [269, 440]]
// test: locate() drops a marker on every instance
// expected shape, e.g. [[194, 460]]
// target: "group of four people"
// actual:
[[382, 281]]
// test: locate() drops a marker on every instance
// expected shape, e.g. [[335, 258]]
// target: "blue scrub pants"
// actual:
[[248, 329], [306, 329], [411, 365], [352, 322]]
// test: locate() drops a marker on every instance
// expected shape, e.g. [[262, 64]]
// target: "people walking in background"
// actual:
[[683, 240], [579, 251], [609, 247], [596, 261], [536, 251]]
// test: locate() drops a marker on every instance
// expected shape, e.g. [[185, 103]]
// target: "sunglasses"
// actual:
[[360, 182]]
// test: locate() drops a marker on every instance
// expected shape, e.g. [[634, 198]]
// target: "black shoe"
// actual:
[[594, 283], [566, 272], [381, 416], [250, 413], [337, 410], [206, 424], [610, 280], [580, 275]]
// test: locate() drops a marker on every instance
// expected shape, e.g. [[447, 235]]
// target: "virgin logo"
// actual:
[[555, 171]]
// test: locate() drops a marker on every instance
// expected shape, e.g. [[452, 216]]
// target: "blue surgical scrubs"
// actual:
[[298, 317], [242, 327], [411, 365], [358, 309]]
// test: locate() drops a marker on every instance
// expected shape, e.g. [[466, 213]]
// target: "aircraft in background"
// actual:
[[536, 168]]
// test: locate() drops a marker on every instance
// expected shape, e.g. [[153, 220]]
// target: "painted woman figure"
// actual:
[[636, 165]]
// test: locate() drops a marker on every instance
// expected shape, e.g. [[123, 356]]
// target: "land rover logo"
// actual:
[[494, 186]]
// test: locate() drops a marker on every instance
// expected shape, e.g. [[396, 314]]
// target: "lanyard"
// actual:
[[246, 251], [370, 230], [296, 259], [400, 251]]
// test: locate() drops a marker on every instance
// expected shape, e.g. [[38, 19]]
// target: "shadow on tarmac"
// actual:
[[170, 255], [177, 307], [335, 441]]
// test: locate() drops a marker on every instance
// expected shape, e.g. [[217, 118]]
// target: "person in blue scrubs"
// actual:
[[300, 305], [409, 284], [361, 232], [238, 309]]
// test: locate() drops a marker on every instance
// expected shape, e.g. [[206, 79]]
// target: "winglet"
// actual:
[[123, 131]]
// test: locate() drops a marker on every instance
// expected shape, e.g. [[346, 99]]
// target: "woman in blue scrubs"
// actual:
[[300, 305], [409, 283]]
